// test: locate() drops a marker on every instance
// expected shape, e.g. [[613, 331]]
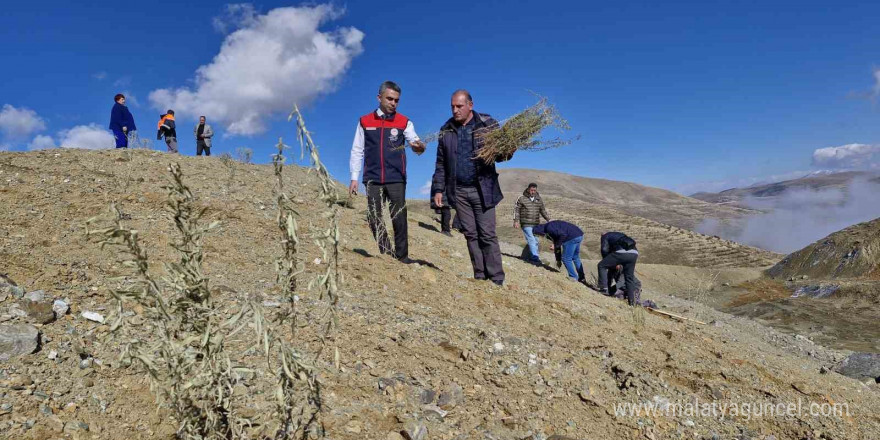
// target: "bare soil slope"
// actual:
[[542, 357]]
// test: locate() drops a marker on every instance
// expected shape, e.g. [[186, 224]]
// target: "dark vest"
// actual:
[[384, 152]]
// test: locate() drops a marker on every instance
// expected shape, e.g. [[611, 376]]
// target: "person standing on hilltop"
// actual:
[[567, 238], [379, 148], [168, 129], [619, 254], [121, 121], [203, 134], [527, 214], [470, 185]]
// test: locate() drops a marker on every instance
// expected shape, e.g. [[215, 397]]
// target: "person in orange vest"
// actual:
[[168, 129]]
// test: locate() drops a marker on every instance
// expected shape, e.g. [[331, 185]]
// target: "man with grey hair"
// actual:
[[203, 134], [470, 184], [379, 148]]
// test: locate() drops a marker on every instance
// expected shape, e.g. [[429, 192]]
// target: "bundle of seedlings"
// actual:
[[521, 132]]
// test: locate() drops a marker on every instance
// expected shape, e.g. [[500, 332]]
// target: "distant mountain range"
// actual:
[[816, 181]]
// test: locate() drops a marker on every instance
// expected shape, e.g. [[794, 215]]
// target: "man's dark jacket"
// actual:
[[610, 242], [444, 170], [558, 231]]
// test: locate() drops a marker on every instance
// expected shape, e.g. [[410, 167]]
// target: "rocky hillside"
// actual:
[[849, 253], [424, 351]]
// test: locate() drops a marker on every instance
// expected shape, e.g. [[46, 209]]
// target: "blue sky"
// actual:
[[685, 96]]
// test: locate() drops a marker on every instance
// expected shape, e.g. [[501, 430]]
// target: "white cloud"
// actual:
[[237, 15], [91, 137], [41, 142], [425, 189], [19, 122], [850, 156], [99, 76], [267, 64]]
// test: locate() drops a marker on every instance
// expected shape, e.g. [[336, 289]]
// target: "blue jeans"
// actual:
[[571, 256], [532, 241]]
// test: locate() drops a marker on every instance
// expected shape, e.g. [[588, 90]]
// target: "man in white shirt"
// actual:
[[379, 148]]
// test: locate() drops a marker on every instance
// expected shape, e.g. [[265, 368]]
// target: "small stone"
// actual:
[[85, 363], [427, 397], [415, 431], [93, 316], [20, 381], [60, 308], [272, 304], [453, 396], [497, 347], [45, 409], [689, 423], [17, 340], [88, 382], [353, 426], [35, 296], [5, 408], [53, 355], [434, 412], [38, 312], [511, 369], [55, 423], [75, 426]]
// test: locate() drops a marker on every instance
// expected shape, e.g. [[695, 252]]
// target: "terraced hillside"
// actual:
[[657, 204], [658, 243], [849, 253]]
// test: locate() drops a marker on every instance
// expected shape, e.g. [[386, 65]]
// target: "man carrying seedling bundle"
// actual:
[[168, 129], [566, 237], [378, 147], [527, 213], [470, 183], [619, 250]]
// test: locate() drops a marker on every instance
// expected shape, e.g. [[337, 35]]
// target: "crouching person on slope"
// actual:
[[568, 238], [618, 249]]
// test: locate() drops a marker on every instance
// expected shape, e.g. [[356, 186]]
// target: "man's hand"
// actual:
[[353, 187], [516, 225], [124, 129], [438, 200], [552, 247], [418, 147]]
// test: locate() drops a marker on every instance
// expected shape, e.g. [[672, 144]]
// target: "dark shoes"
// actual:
[[407, 260], [447, 233], [498, 283]]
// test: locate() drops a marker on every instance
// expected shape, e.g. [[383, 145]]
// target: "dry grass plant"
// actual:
[[244, 154], [521, 131], [287, 265], [328, 240], [228, 163], [191, 367]]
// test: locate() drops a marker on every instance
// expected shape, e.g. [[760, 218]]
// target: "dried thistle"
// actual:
[[287, 265]]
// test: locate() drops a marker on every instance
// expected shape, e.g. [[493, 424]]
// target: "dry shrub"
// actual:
[[521, 131], [188, 358]]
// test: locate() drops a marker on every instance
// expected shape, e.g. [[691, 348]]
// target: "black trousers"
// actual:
[[445, 219], [201, 146], [628, 261], [395, 195]]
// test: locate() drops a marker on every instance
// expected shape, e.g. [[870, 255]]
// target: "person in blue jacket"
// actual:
[[568, 237], [121, 121]]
